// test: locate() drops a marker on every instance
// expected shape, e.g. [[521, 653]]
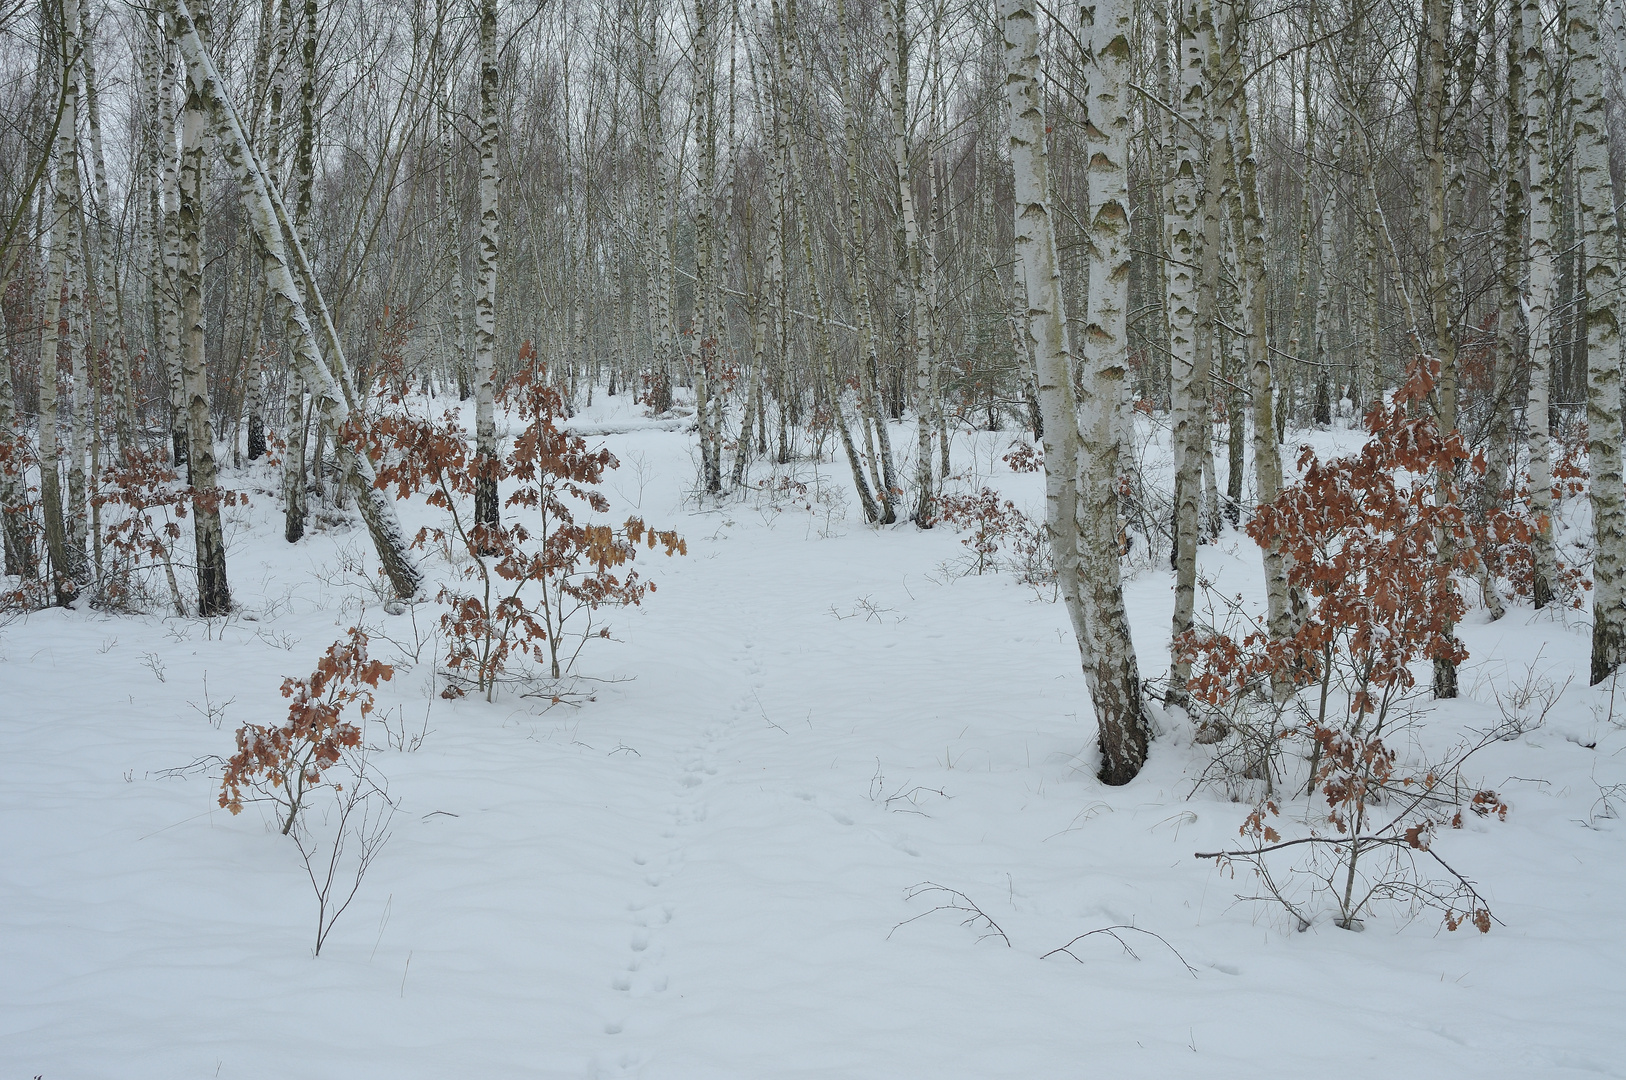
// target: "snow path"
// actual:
[[703, 872]]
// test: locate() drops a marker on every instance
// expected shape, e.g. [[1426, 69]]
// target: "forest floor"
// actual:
[[752, 846]]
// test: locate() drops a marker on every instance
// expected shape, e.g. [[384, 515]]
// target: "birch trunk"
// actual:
[[756, 313], [1183, 230], [1301, 294], [912, 265], [1431, 87], [486, 511], [1113, 676], [299, 417], [69, 571], [109, 295], [1327, 262], [1538, 155], [1595, 198], [170, 200], [1043, 322], [858, 282], [707, 333], [779, 265], [262, 204], [214, 596], [79, 392], [1512, 202]]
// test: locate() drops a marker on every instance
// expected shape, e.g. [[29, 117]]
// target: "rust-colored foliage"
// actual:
[[1364, 534], [545, 571], [994, 523], [1024, 457], [1373, 541], [284, 763], [988, 519]]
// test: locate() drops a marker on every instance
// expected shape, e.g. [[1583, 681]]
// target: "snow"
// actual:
[[706, 869]]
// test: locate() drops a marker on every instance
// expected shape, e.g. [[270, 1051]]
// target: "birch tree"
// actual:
[[1595, 199], [1114, 677], [911, 261], [214, 596], [1540, 295], [1185, 216], [486, 511], [69, 568]]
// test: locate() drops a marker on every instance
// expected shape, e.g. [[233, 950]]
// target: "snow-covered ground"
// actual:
[[709, 868]]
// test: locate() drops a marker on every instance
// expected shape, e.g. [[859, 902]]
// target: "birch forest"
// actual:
[[839, 537], [234, 230]]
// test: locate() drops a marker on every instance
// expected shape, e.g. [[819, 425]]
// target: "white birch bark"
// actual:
[[1043, 319], [108, 290], [486, 511], [859, 285], [15, 538], [1114, 678], [1183, 231], [1432, 110], [1511, 201], [920, 314], [1540, 301], [292, 31], [79, 393], [170, 246], [707, 332], [1595, 196], [214, 596], [69, 570]]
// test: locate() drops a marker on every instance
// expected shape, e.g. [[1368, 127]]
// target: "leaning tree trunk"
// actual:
[[328, 390], [1603, 341]]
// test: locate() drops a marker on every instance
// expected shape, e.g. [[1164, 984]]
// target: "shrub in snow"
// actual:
[[1000, 536], [283, 765], [530, 588], [1374, 539]]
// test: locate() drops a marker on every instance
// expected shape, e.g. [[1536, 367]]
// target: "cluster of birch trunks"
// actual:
[[866, 222]]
